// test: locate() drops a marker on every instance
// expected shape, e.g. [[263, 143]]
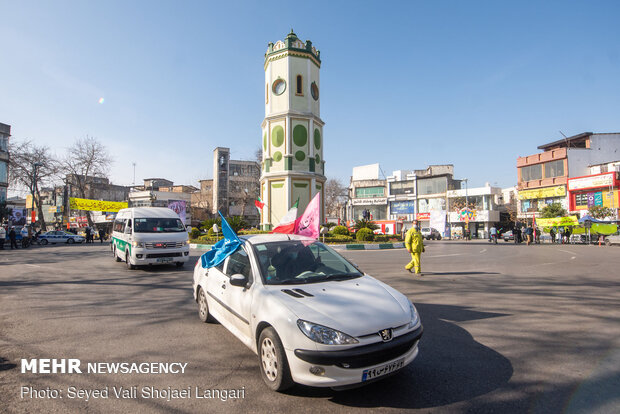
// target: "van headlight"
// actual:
[[137, 244], [415, 318], [324, 335], [186, 242]]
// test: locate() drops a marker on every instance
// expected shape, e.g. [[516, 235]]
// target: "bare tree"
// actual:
[[32, 167], [86, 161], [335, 197], [258, 155]]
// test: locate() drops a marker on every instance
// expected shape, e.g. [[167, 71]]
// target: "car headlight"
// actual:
[[137, 244], [414, 316], [324, 335]]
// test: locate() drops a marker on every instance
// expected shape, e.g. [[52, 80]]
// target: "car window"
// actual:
[[297, 261], [239, 263]]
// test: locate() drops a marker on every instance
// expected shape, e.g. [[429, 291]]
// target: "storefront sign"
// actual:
[[423, 216], [557, 191], [96, 205], [368, 201], [592, 181], [402, 207], [557, 221]]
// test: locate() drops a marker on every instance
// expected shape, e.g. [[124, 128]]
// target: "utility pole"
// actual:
[[134, 173], [33, 188]]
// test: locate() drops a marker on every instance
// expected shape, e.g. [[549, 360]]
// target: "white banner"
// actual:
[[438, 220]]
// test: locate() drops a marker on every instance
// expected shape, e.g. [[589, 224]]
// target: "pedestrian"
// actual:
[[552, 234], [414, 243], [13, 237], [87, 231], [528, 234], [101, 235], [2, 237], [567, 233], [493, 233], [561, 231], [517, 234]]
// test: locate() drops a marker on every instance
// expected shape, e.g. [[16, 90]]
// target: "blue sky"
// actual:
[[405, 84]]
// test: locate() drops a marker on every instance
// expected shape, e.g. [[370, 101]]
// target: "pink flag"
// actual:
[[309, 222]]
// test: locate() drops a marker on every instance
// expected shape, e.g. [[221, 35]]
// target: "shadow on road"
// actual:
[[451, 367]]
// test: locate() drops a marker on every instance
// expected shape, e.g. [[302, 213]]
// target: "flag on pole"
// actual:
[[287, 224], [309, 222], [259, 204], [222, 249]]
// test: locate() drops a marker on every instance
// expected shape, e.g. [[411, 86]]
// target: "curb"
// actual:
[[378, 246]]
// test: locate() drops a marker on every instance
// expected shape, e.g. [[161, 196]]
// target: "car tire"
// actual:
[[203, 307], [272, 361], [438, 237], [607, 242], [128, 262], [116, 258], [70, 241], [44, 242]]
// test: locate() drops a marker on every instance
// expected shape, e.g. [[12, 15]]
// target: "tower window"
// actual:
[[299, 85]]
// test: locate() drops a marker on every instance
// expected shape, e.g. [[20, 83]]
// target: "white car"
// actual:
[[58, 236], [311, 316]]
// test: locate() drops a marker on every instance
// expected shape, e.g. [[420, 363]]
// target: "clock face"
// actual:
[[315, 91], [279, 86]]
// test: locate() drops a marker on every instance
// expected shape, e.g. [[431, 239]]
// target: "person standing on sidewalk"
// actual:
[[414, 242], [13, 237], [2, 237]]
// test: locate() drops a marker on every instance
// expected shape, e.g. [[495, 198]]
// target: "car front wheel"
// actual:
[[273, 364], [70, 241], [128, 262], [44, 242], [607, 242]]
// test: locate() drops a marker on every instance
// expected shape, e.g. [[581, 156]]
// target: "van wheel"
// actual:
[[129, 265], [116, 258], [273, 364]]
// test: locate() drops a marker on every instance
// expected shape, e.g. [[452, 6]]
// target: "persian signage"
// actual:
[[96, 205], [546, 192], [592, 181], [369, 201]]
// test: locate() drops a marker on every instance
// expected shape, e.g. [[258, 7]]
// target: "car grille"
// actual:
[[156, 255], [363, 356], [164, 245]]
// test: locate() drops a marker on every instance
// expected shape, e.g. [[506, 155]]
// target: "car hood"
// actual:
[[356, 307]]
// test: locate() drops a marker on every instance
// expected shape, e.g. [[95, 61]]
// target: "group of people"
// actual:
[[11, 233], [90, 234]]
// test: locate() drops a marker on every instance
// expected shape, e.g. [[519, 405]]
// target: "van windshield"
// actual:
[[158, 225]]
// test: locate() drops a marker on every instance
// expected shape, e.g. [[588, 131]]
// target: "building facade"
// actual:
[[597, 189], [474, 209], [234, 187], [5, 133], [293, 166], [543, 178]]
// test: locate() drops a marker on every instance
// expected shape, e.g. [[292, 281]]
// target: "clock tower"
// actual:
[[293, 166]]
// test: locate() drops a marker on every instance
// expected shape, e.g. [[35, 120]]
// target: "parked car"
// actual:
[[612, 239], [507, 236], [430, 233], [58, 236], [311, 316]]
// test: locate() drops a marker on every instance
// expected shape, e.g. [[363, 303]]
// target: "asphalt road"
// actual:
[[508, 329]]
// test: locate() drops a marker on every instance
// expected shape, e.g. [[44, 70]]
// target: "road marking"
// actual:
[[566, 251], [446, 255], [483, 250], [31, 265]]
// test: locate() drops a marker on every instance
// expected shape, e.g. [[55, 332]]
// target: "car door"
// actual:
[[62, 237], [215, 283], [238, 299]]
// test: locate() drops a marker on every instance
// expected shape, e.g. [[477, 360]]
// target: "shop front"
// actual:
[[597, 190], [375, 208], [532, 201]]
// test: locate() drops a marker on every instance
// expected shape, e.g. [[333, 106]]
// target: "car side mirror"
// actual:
[[238, 280]]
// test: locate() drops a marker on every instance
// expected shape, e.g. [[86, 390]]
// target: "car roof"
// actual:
[[149, 212], [272, 237]]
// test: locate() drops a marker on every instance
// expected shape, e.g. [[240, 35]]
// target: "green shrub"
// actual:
[[208, 224], [338, 238], [329, 225], [364, 234], [194, 233], [340, 230], [246, 232], [381, 238]]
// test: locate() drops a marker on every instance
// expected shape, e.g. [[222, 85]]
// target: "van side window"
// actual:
[[119, 225]]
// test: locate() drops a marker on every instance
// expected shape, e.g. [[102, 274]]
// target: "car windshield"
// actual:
[[294, 261], [158, 225]]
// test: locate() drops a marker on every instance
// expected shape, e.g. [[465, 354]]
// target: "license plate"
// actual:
[[164, 260], [377, 372]]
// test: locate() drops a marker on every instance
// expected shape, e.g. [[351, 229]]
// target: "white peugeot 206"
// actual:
[[312, 317]]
